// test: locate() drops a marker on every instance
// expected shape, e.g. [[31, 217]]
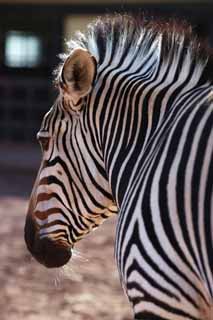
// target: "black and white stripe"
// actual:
[[141, 142]]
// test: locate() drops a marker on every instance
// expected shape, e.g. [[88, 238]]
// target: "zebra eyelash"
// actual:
[[43, 138]]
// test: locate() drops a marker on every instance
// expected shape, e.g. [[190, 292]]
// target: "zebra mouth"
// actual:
[[48, 252]]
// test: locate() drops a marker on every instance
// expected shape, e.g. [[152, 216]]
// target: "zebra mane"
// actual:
[[120, 35]]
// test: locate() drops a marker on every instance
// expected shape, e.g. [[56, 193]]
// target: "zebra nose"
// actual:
[[50, 253], [46, 251], [29, 232]]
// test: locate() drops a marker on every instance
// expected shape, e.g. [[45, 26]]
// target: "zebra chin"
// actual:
[[48, 252]]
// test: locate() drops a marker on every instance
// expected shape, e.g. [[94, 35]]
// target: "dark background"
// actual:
[[26, 93]]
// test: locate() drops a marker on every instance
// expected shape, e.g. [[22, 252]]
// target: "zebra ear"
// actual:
[[78, 74]]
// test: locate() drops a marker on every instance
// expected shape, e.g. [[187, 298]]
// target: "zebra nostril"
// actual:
[[59, 172]]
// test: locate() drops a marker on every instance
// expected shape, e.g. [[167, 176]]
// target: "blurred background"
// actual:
[[32, 34]]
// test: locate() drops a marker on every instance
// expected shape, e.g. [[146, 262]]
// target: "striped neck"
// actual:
[[138, 98]]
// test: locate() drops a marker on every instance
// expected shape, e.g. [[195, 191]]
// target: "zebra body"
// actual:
[[131, 132]]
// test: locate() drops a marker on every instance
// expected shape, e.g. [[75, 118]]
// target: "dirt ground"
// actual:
[[87, 288]]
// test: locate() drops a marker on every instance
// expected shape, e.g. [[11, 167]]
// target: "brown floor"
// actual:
[[87, 289]]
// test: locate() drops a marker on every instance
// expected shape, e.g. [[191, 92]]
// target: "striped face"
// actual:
[[71, 195]]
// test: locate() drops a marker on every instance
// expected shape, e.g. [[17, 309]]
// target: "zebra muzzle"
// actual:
[[50, 253]]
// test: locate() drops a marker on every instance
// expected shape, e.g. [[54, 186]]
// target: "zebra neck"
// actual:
[[137, 103]]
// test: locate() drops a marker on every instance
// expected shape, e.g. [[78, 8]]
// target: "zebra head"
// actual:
[[71, 195]]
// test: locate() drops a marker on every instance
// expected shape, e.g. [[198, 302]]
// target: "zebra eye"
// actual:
[[43, 140]]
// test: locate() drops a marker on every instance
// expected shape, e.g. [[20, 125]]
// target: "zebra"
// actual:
[[130, 133]]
